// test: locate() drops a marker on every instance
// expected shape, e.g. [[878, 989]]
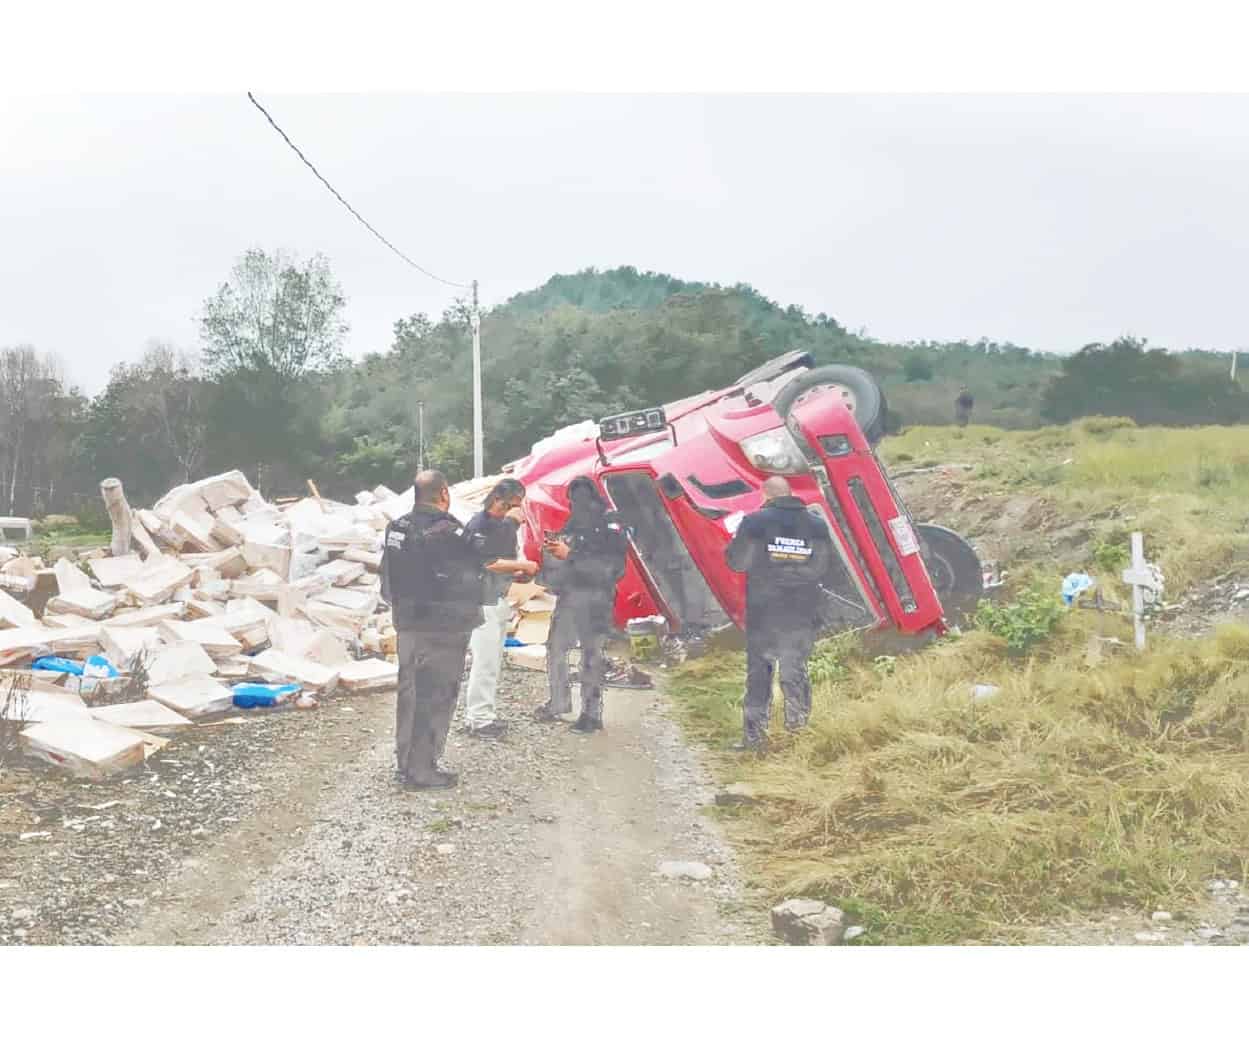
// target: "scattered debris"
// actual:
[[210, 588], [1160, 916], [808, 922], [853, 932]]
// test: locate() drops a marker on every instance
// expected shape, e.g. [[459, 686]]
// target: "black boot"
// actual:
[[586, 724]]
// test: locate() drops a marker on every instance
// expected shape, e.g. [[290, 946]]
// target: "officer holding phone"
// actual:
[[581, 565]]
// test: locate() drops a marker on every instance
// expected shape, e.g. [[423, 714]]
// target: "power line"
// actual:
[[382, 238]]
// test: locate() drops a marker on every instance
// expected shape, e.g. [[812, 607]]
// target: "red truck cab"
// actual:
[[682, 476]]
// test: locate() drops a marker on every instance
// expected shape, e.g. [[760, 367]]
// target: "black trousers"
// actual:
[[431, 665], [571, 625], [770, 644]]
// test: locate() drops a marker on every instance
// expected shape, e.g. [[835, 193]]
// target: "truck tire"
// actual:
[[859, 392], [955, 570]]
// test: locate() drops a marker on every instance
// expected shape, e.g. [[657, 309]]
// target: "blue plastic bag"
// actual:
[[1073, 585], [512, 641], [263, 695], [57, 664], [98, 667]]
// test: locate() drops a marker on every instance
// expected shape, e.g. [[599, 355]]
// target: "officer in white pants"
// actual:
[[492, 533]]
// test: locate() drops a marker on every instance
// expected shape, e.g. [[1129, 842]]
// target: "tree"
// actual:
[[35, 409], [452, 453], [274, 316], [917, 369], [271, 334], [148, 427], [1150, 386]]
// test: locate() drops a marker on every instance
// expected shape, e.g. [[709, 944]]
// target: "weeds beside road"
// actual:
[[1085, 779]]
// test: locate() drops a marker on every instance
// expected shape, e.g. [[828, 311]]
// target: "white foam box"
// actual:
[[533, 657], [148, 715], [195, 697], [42, 705], [341, 572], [89, 603], [210, 634], [368, 676], [168, 664], [86, 747], [307, 673]]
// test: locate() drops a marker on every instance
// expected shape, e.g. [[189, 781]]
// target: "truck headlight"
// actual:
[[775, 451]]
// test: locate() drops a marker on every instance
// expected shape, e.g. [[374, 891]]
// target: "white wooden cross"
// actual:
[[1147, 584]]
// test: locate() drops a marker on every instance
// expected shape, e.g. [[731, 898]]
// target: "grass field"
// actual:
[[1092, 779]]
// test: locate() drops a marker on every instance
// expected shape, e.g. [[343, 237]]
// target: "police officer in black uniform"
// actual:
[[785, 553], [431, 577], [581, 566]]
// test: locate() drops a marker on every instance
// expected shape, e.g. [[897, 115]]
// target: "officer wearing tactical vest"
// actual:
[[581, 567], [785, 553], [431, 577]]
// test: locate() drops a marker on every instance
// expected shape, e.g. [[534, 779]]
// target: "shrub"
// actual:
[[1027, 621]]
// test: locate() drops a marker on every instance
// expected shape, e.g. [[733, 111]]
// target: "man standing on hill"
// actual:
[[492, 532], [431, 577], [785, 553], [584, 563], [963, 405]]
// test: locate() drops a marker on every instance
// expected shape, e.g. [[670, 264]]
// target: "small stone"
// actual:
[[983, 691], [808, 922], [1149, 937], [1217, 886], [445, 849], [737, 794], [22, 913], [19, 933], [1242, 594], [1208, 933], [1161, 915], [688, 870], [853, 932]]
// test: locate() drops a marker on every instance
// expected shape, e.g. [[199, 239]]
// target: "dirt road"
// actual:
[[289, 829]]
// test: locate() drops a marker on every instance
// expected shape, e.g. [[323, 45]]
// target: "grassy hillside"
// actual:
[[1095, 777]]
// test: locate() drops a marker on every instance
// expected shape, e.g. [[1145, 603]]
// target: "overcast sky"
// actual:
[[1047, 221]]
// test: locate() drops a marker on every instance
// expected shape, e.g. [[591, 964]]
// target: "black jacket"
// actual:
[[431, 574], [786, 554], [586, 581]]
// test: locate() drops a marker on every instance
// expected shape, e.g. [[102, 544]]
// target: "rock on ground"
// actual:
[[808, 922]]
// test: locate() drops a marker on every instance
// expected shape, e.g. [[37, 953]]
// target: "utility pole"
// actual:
[[1235, 355], [478, 439], [420, 437]]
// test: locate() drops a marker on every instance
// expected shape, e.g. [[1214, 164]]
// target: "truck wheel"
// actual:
[[777, 366], [955, 570], [859, 392]]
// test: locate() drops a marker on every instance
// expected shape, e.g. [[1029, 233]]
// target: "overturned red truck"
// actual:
[[682, 476]]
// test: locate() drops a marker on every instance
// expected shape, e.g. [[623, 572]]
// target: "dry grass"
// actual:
[[13, 708], [1077, 787], [1082, 785], [1187, 489]]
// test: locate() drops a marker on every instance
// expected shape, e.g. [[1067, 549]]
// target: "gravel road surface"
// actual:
[[288, 828]]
